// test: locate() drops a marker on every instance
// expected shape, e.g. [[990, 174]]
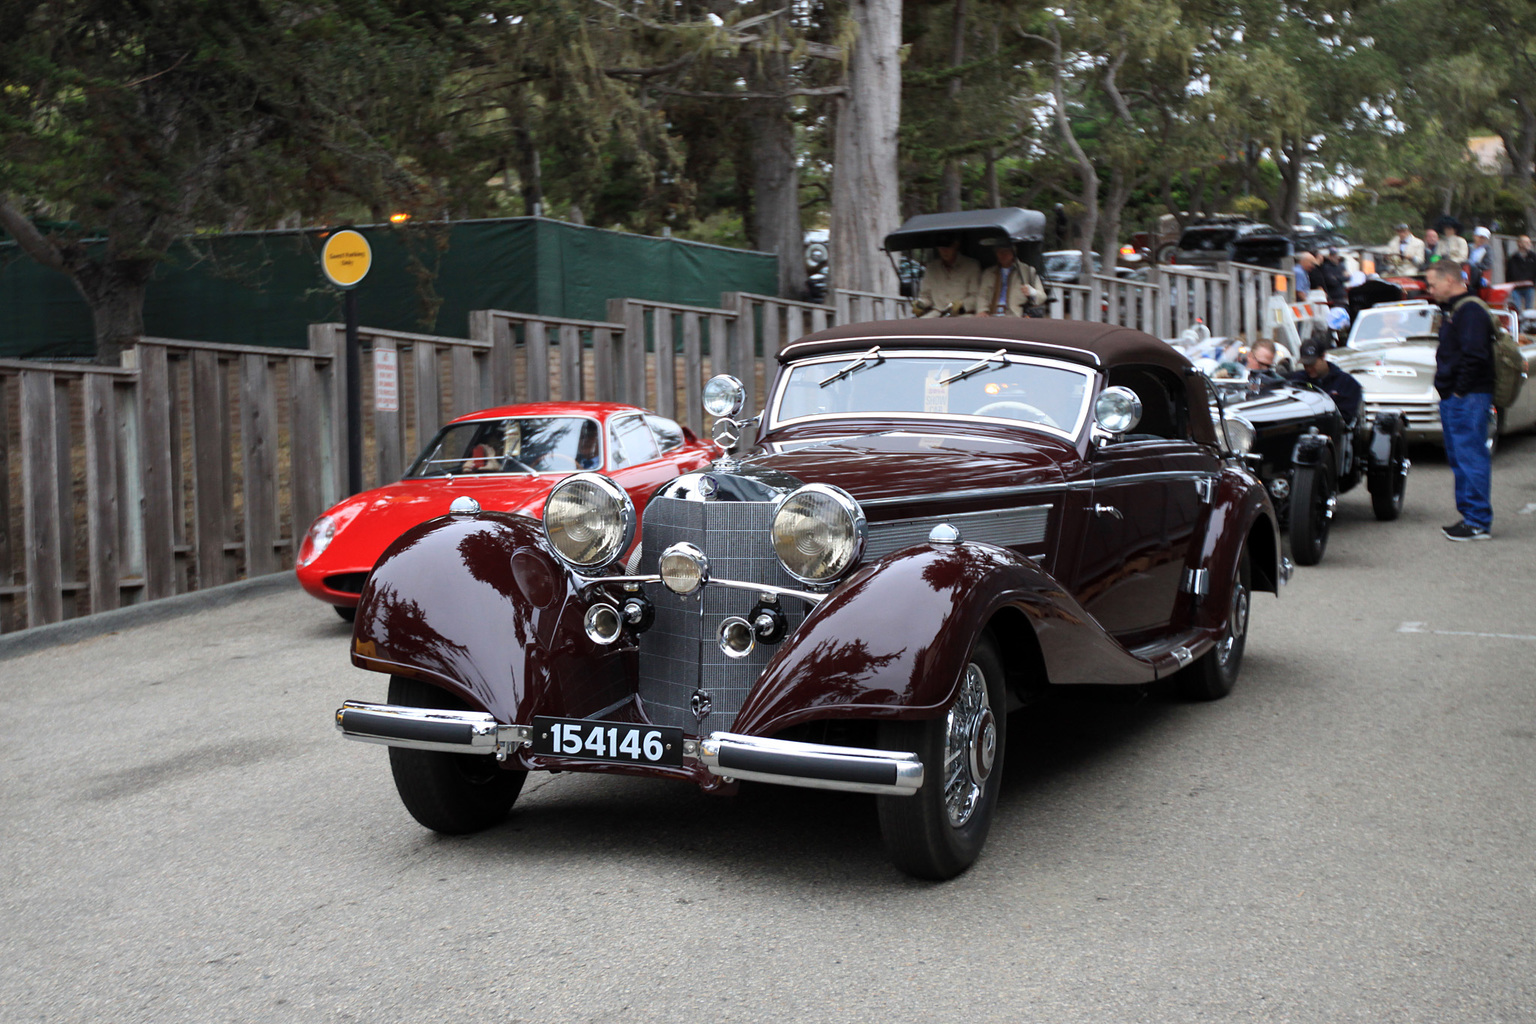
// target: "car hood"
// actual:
[[921, 465], [1407, 369]]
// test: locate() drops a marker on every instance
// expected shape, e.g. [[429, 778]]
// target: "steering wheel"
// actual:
[[1030, 412]]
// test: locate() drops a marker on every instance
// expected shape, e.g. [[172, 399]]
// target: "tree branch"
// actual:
[[32, 241], [825, 90]]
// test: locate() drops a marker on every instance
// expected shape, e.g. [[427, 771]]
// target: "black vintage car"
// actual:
[[1308, 454]]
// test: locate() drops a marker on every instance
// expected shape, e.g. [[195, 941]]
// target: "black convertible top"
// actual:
[[973, 226]]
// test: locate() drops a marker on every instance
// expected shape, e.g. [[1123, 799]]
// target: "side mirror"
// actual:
[[1116, 411]]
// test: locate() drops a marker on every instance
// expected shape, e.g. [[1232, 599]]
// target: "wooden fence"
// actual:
[[197, 464], [1230, 299]]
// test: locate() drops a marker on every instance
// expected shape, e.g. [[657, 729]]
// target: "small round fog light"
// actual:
[[683, 568], [736, 637], [602, 623], [1280, 487]]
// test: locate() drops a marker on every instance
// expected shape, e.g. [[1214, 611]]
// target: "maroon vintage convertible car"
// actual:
[[942, 520]]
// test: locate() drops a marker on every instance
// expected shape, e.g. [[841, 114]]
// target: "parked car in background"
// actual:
[[943, 520], [1065, 266], [1209, 241], [507, 459], [1308, 454]]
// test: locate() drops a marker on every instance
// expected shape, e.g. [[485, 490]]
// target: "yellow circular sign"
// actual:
[[346, 258]]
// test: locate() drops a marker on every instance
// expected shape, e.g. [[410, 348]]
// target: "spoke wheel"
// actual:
[[939, 831], [1214, 675], [1311, 515], [450, 793]]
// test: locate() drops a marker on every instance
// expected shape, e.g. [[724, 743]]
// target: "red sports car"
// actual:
[[507, 459]]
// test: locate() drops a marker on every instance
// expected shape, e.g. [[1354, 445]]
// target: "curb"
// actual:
[[37, 638]]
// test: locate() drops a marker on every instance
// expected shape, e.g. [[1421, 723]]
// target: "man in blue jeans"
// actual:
[[1464, 378]]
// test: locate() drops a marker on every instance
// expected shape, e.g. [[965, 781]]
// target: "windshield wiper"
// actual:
[[976, 367], [862, 361]]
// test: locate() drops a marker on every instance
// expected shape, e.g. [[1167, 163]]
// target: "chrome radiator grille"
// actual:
[[679, 654]]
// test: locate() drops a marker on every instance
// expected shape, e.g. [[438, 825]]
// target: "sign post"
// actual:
[[345, 261]]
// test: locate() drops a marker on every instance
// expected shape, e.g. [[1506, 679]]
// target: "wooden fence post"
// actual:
[[155, 470], [210, 466], [258, 439], [40, 497], [329, 341], [7, 566], [101, 491], [693, 386]]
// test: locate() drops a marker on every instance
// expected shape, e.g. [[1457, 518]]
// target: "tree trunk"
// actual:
[[776, 176], [950, 199], [115, 292], [1109, 229], [531, 173], [865, 192]]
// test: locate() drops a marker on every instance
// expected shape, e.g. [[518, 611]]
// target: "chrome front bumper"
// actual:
[[785, 762]]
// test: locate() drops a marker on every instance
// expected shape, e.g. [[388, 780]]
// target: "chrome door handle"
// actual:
[[1107, 510]]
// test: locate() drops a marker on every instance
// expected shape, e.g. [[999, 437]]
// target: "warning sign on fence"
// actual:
[[386, 380]]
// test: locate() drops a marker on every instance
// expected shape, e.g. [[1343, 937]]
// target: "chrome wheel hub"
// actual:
[[970, 747], [1237, 624]]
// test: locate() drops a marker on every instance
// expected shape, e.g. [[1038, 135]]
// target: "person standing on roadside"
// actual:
[[1520, 265], [1333, 275], [1464, 379], [1480, 261]]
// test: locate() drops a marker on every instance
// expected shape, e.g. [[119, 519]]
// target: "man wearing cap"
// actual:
[[1328, 377], [1464, 379], [1406, 248], [949, 283], [1452, 246], [1480, 261]]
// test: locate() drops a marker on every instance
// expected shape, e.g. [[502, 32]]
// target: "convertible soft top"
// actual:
[[974, 226], [1095, 344]]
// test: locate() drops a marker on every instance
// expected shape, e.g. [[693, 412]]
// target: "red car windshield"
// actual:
[[531, 444]]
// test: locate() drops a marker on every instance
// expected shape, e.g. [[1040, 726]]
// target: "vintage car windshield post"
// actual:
[[939, 523]]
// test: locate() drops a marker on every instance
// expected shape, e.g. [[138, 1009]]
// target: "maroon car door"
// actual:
[[1142, 517]]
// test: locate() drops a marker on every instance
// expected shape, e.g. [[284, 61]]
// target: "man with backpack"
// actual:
[[1464, 376]]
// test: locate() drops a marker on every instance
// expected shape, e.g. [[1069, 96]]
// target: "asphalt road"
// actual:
[[1348, 837]]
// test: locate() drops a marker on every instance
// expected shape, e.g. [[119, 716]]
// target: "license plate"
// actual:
[[623, 742]]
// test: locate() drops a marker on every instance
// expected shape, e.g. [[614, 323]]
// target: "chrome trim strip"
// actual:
[[979, 492], [713, 582], [812, 765], [455, 732], [1021, 526]]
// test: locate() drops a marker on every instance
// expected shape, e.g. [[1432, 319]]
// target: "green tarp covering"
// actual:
[[265, 288]]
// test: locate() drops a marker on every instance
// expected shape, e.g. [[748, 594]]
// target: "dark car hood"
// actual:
[[923, 466]]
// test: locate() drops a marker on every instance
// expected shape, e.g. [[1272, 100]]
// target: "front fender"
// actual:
[[1386, 441], [1311, 450], [892, 641], [1240, 515], [482, 607]]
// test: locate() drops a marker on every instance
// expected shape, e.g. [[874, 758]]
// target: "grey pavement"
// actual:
[[1348, 837]]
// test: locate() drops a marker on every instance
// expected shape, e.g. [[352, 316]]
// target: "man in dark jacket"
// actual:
[[1318, 371], [1464, 378], [1520, 265], [1331, 269]]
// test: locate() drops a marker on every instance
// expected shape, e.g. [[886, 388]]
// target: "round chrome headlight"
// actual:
[[589, 520], [724, 395], [683, 568], [1117, 409], [818, 533], [1240, 433]]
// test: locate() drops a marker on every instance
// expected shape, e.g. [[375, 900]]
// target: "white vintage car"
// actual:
[[1391, 350]]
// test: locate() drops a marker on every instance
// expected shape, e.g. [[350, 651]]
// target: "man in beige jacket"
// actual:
[[1009, 286], [949, 283], [1406, 248]]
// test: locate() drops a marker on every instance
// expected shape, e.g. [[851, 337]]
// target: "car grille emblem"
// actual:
[[708, 485], [700, 704]]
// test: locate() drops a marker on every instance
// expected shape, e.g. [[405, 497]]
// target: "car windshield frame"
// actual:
[[1356, 343], [414, 471], [962, 357]]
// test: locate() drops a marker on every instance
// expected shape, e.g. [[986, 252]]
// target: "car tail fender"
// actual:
[[1385, 446], [892, 641], [482, 606]]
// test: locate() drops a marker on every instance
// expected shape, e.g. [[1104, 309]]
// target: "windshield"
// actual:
[[912, 385], [525, 444], [1392, 325]]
